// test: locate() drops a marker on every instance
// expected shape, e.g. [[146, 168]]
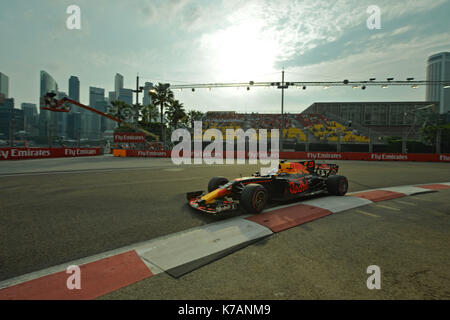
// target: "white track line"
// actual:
[[387, 207], [368, 214]]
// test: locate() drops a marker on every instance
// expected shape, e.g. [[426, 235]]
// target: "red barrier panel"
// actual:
[[147, 153], [423, 157], [135, 137], [40, 153], [364, 156]]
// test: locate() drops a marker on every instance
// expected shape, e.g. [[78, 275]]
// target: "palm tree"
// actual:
[[175, 113], [162, 96], [149, 112], [193, 115], [120, 110]]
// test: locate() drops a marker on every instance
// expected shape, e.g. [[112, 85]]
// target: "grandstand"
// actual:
[[330, 131], [356, 123], [376, 118], [232, 120], [338, 127], [297, 128]]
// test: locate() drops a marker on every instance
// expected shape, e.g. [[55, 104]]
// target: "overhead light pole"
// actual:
[[138, 89], [282, 86]]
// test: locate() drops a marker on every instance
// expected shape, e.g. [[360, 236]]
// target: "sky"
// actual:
[[204, 41]]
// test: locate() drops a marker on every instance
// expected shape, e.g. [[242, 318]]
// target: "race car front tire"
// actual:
[[253, 198], [216, 182], [337, 185]]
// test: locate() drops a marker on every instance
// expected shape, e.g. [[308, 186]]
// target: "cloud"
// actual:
[[395, 9], [396, 32], [197, 40], [298, 27], [378, 60], [162, 11]]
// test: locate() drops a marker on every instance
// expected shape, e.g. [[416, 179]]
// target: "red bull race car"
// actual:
[[291, 180]]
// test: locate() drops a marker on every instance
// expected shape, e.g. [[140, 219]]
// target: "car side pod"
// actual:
[[193, 194]]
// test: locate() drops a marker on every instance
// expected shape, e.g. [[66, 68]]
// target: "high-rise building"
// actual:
[[11, 120], [74, 88], [29, 109], [4, 85], [118, 84], [47, 119], [126, 95], [48, 84], [108, 124], [30, 117], [96, 94], [7, 103], [93, 121], [105, 123], [61, 122], [438, 69], [76, 119], [112, 96], [75, 125], [147, 98]]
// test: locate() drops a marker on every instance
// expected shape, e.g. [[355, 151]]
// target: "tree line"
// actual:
[[163, 103]]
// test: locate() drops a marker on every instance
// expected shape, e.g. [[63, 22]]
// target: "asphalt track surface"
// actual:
[[57, 210]]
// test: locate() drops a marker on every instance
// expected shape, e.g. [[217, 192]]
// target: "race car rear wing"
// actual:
[[326, 169]]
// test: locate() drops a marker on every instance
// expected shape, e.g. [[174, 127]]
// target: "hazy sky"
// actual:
[[200, 41]]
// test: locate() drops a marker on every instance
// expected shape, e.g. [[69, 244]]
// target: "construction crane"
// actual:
[[63, 105]]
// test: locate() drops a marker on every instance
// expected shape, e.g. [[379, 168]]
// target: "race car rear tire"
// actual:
[[216, 182], [253, 198], [337, 185]]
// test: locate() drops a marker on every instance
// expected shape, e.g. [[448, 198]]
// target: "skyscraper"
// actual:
[[147, 98], [4, 85], [112, 96], [74, 88], [75, 125], [126, 95], [438, 69], [30, 117], [48, 84], [11, 120], [61, 122], [29, 109], [47, 119], [76, 119], [96, 101], [118, 84], [96, 94]]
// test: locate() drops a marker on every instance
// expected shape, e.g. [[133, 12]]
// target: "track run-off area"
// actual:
[[57, 211]]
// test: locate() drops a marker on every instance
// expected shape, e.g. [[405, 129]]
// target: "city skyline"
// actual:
[[191, 41]]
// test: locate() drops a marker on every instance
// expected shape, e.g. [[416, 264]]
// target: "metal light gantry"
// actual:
[[363, 84], [305, 84]]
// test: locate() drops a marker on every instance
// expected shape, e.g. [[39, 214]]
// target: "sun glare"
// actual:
[[241, 52]]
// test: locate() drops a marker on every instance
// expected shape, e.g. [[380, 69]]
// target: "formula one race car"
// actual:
[[291, 180]]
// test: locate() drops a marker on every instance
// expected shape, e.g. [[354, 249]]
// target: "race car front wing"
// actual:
[[218, 206]]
